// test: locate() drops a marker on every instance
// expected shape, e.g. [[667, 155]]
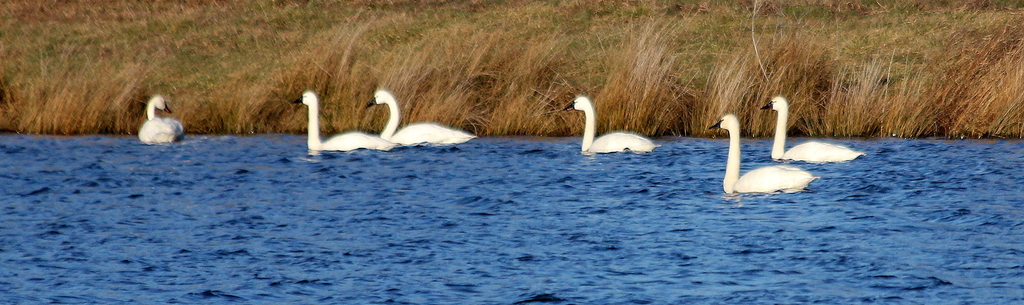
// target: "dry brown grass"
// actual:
[[853, 99], [793, 66], [971, 89], [641, 92], [59, 101], [981, 93], [526, 90], [908, 113], [849, 68]]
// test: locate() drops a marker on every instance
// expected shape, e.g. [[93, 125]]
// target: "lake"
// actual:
[[503, 220]]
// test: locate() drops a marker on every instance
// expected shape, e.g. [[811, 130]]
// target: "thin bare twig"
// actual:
[[753, 39]]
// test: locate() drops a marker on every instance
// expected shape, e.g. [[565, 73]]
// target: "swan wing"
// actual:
[[774, 178], [821, 152], [355, 140], [621, 141], [161, 130], [430, 133]]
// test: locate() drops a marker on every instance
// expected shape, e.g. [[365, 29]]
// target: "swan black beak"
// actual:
[[717, 125], [769, 106], [570, 107], [298, 101], [372, 102], [167, 109]]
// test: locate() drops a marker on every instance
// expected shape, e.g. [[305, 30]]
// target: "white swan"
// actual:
[[351, 140], [159, 129], [762, 180], [812, 151], [612, 142], [415, 133]]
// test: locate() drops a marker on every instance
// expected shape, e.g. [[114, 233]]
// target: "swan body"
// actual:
[[762, 180], [820, 152], [156, 129], [812, 151], [611, 142], [424, 132], [416, 133], [342, 142], [773, 178]]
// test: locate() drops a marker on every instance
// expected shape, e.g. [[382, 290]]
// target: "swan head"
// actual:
[[728, 122], [159, 103], [778, 103], [581, 102], [308, 98], [382, 96]]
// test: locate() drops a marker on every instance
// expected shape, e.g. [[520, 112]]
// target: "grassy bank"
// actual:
[[906, 68]]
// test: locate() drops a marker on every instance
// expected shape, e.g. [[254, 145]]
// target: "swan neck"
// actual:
[[150, 110], [392, 126], [589, 129], [313, 132], [779, 147], [732, 166]]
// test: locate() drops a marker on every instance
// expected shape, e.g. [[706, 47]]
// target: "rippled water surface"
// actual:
[[217, 219]]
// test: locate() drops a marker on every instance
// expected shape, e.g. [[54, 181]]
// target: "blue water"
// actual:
[[215, 219]]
